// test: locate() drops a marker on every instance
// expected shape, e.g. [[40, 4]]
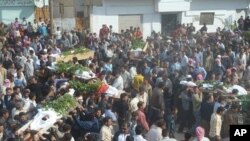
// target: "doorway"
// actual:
[[169, 22], [126, 21]]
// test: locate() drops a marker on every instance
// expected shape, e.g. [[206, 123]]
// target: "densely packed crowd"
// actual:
[[154, 103]]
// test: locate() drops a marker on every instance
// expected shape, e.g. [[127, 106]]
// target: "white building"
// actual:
[[11, 9], [162, 15], [68, 14]]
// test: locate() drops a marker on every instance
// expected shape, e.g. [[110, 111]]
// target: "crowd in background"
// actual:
[[154, 103]]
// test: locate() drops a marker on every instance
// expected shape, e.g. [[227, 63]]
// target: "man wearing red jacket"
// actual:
[[104, 31], [141, 120], [138, 33]]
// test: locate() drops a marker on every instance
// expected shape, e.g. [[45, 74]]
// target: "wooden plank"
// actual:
[[80, 56], [42, 12], [145, 47]]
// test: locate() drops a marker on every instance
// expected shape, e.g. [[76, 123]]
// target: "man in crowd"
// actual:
[[152, 82]]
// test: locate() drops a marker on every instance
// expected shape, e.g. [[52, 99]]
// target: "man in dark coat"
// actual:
[[231, 117], [157, 104]]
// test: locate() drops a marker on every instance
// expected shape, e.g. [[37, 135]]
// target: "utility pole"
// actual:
[[51, 16]]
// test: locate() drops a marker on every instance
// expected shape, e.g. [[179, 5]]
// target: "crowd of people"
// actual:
[[154, 102]]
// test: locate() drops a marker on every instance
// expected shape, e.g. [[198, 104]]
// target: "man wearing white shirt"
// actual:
[[58, 34], [118, 83], [124, 134], [133, 103], [17, 91], [40, 22], [216, 123], [166, 137], [26, 100], [143, 96], [24, 23], [106, 133], [35, 26], [184, 61], [139, 131], [29, 68], [132, 72], [34, 58]]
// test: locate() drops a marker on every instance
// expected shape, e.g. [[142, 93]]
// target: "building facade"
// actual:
[[64, 14], [164, 15], [67, 14], [11, 9]]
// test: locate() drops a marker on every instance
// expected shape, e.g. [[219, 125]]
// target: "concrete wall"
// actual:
[[110, 10], [67, 20], [225, 12], [172, 5], [69, 10], [221, 19], [78, 5], [151, 10], [9, 13], [99, 17], [218, 4]]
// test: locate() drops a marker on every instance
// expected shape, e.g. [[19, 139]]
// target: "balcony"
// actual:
[[172, 5]]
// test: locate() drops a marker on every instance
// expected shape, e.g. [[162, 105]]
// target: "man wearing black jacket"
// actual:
[[122, 109], [206, 110]]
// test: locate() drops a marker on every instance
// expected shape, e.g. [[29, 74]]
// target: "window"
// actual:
[[207, 18]]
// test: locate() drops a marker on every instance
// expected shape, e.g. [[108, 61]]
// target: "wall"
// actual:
[[111, 9], [9, 13], [66, 24], [172, 5], [99, 17], [218, 4], [151, 22], [9, 10], [69, 10], [67, 20], [151, 11], [219, 18], [78, 5], [223, 9]]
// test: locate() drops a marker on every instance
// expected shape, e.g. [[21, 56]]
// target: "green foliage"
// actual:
[[69, 68], [215, 84], [61, 105], [247, 35], [75, 51], [87, 88], [137, 43], [245, 101]]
